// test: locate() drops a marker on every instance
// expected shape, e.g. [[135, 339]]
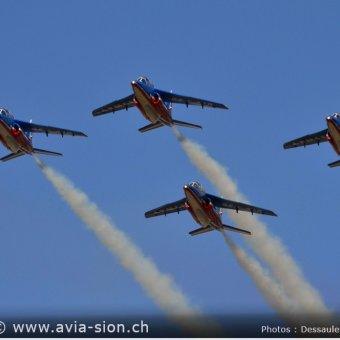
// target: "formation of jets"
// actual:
[[156, 106]]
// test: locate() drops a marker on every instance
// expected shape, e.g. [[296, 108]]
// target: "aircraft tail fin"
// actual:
[[334, 164], [46, 152], [180, 123], [11, 156], [150, 127]]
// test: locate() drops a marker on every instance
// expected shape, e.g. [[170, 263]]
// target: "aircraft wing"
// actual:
[[226, 204], [26, 126], [167, 208], [124, 103], [176, 98], [314, 138]]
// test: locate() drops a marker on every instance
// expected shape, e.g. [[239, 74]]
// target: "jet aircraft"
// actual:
[[331, 134], [155, 105], [16, 135], [206, 209]]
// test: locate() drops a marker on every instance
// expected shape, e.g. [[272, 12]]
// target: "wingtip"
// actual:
[[96, 112], [79, 134]]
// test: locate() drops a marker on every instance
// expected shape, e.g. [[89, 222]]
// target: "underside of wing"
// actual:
[[121, 104], [167, 208], [176, 98], [48, 129], [314, 138], [238, 206]]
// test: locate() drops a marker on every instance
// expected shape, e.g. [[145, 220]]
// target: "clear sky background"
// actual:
[[274, 63]]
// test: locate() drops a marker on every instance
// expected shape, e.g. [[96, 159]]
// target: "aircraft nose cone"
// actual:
[[188, 189], [136, 85]]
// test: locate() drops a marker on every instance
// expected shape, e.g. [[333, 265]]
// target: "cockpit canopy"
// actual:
[[336, 115], [5, 113], [198, 186], [145, 81]]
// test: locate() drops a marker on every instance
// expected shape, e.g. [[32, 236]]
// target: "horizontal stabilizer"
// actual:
[[224, 226], [334, 164], [11, 156], [150, 127], [180, 123], [242, 231], [46, 152], [201, 230]]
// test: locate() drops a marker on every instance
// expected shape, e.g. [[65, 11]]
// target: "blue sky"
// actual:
[[275, 64]]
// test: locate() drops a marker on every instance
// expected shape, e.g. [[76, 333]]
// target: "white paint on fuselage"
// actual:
[[148, 108], [334, 132], [197, 209]]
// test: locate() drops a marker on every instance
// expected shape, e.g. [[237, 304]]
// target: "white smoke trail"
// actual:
[[159, 287], [270, 289], [269, 248]]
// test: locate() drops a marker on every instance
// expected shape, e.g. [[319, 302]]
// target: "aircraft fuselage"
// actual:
[[333, 124], [13, 137], [201, 208], [151, 104]]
